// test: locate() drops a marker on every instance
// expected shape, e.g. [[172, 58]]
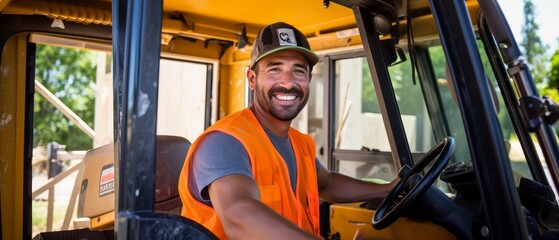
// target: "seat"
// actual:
[[96, 200], [171, 153]]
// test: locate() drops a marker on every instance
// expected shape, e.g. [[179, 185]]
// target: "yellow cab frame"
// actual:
[[485, 197]]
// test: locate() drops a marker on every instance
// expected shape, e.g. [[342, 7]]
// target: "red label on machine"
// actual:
[[106, 182]]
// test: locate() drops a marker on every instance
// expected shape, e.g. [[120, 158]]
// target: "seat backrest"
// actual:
[[171, 153], [96, 199]]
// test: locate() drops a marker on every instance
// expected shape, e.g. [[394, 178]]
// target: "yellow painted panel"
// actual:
[[223, 108], [12, 112], [197, 48], [232, 87], [4, 3], [309, 16], [349, 219], [105, 221]]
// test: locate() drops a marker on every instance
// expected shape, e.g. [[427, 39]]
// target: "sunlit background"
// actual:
[[546, 18]]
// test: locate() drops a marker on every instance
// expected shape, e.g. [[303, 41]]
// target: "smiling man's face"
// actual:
[[281, 85]]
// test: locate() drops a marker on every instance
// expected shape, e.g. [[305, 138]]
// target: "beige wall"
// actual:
[[180, 106]]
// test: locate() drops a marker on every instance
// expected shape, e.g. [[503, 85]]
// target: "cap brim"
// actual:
[[309, 55]]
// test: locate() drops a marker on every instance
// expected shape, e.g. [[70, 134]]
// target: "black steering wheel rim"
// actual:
[[441, 153]]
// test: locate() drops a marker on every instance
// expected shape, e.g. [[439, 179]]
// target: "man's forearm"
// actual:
[[344, 189], [251, 219]]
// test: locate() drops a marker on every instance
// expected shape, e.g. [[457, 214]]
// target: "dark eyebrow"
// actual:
[[302, 66], [272, 64], [279, 63]]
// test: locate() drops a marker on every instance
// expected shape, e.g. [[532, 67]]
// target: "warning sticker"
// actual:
[[107, 181]]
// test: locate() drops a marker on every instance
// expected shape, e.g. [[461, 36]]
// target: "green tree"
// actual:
[[70, 75], [369, 101], [552, 87], [534, 49], [406, 91]]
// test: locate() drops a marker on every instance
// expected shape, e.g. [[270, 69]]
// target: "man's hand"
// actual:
[[338, 188]]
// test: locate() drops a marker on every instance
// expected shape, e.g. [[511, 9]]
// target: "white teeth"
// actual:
[[285, 97]]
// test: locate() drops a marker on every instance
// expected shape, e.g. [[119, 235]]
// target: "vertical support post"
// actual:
[[383, 87], [50, 208], [28, 142], [73, 196], [329, 114], [137, 105], [53, 166], [209, 96], [119, 32]]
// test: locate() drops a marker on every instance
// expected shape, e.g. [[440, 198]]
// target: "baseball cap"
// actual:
[[281, 36]]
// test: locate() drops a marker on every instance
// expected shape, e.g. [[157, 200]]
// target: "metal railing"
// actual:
[[59, 177]]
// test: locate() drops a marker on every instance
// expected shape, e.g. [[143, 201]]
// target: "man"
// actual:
[[252, 176]]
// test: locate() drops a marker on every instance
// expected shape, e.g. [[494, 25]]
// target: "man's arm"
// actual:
[[338, 188], [236, 199]]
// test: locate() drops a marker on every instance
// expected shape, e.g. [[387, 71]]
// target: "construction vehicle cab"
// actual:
[[435, 92]]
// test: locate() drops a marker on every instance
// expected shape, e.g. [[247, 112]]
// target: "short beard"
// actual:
[[282, 113], [285, 114]]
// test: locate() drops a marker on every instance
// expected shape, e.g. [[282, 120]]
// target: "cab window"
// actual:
[[361, 147]]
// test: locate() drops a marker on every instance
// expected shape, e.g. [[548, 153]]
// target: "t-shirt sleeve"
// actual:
[[218, 155], [318, 164]]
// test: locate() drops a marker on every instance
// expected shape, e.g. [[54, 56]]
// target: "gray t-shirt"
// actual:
[[220, 154]]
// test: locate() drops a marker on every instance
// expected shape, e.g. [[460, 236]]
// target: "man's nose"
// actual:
[[287, 79]]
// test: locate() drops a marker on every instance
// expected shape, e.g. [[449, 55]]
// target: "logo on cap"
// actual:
[[286, 36]]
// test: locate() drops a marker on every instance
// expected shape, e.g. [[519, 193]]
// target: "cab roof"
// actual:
[[327, 26]]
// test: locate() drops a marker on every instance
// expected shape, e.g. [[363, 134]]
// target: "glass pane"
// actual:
[[449, 105], [359, 124], [454, 119], [514, 149]]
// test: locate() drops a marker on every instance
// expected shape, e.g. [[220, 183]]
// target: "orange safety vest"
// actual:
[[269, 171]]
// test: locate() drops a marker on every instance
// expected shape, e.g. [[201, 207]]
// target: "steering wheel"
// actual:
[[417, 185]]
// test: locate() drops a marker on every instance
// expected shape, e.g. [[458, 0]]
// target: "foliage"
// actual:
[[70, 75], [534, 49], [553, 77], [369, 100], [406, 91]]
